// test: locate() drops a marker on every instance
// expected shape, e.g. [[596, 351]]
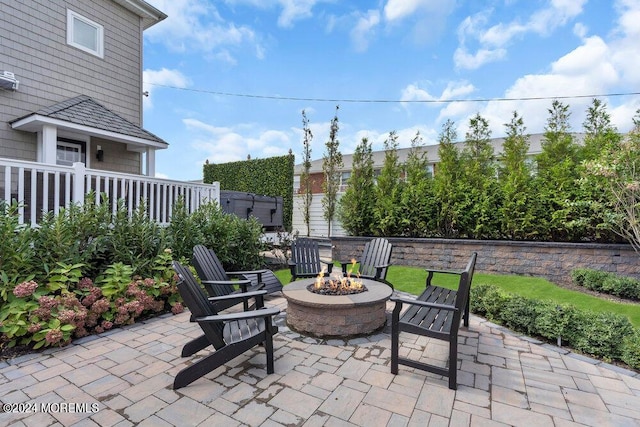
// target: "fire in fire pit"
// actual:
[[337, 284]]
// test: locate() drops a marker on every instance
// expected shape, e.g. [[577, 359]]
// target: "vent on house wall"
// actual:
[[8, 81]]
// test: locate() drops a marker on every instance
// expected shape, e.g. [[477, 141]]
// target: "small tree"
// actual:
[[355, 208], [388, 190], [447, 181], [418, 201], [331, 165], [305, 176], [619, 166]]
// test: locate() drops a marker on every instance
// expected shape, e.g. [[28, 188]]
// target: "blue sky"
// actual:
[[230, 78]]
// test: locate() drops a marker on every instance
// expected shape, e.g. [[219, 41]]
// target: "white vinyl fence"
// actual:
[[42, 188]]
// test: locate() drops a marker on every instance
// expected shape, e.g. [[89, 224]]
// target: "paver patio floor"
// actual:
[[124, 378]]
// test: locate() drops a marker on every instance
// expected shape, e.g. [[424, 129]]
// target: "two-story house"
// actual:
[[71, 94]]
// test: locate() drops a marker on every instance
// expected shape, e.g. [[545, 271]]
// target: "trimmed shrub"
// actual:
[[605, 335], [606, 282]]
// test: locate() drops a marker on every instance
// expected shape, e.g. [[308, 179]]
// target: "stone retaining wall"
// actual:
[[553, 261]]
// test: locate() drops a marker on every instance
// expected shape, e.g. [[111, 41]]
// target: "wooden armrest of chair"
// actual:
[[400, 300], [239, 296], [243, 315]]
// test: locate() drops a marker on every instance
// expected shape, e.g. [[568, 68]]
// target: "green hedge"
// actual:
[[608, 283], [608, 336], [271, 177]]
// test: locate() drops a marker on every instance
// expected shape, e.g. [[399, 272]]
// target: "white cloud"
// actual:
[[152, 78], [492, 41], [222, 144], [453, 90], [193, 25], [363, 31], [468, 61], [293, 10], [594, 67], [398, 9], [427, 18]]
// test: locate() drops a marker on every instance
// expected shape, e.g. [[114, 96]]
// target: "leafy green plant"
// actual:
[[115, 279], [64, 277]]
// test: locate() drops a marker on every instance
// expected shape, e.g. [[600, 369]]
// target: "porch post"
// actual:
[[151, 162], [79, 173], [47, 144]]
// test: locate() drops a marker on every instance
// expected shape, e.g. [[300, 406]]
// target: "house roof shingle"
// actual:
[[83, 110]]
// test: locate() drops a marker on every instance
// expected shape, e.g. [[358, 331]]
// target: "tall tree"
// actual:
[[355, 208], [477, 213], [515, 180], [447, 180], [305, 176], [331, 165], [598, 129], [418, 201], [590, 211], [557, 173], [388, 190]]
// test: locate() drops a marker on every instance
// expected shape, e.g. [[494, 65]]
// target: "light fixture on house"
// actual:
[[100, 154], [8, 81]]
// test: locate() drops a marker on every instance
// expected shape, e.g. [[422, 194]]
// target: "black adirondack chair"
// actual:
[[230, 334], [374, 262], [305, 259], [219, 282], [436, 313]]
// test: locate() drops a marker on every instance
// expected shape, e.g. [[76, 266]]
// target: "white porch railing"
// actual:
[[42, 188]]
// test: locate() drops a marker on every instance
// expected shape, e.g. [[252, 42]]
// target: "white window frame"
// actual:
[[69, 144], [71, 19]]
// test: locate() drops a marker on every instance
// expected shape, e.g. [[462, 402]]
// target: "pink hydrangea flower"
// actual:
[[177, 308], [85, 283], [25, 289], [33, 328], [54, 336]]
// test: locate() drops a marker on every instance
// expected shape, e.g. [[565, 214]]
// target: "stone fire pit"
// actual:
[[336, 315]]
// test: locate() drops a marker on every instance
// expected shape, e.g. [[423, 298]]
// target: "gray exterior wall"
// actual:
[[33, 45], [116, 157]]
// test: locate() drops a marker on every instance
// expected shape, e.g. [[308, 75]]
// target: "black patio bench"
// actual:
[[435, 313]]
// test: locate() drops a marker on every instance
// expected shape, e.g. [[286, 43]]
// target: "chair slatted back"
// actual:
[[305, 253], [376, 252], [198, 305], [209, 267], [464, 285]]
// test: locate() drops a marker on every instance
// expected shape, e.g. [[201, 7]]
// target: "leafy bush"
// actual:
[[89, 269], [72, 307], [605, 335], [609, 283]]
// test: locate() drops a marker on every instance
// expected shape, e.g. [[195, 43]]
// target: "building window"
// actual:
[[85, 34], [69, 152], [429, 170], [344, 180]]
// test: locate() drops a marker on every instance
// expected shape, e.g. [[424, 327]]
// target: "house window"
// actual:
[[85, 34], [69, 152]]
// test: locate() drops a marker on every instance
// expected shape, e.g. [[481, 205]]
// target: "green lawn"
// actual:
[[412, 279]]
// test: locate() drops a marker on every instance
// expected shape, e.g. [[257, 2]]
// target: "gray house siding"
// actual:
[[116, 157], [33, 45]]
